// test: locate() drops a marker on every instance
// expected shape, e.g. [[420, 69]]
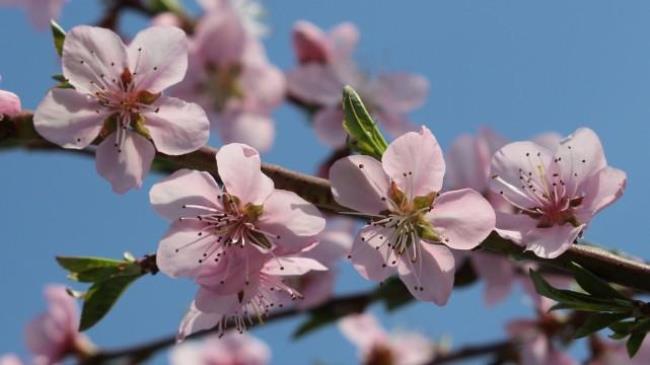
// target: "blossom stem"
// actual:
[[19, 132]]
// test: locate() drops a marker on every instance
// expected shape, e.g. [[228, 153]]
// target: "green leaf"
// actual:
[[58, 36], [165, 5], [597, 321], [578, 301], [101, 297], [593, 284], [81, 263], [365, 136], [634, 342], [394, 294]]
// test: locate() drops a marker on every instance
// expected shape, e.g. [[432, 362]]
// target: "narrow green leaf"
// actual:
[[593, 284], [81, 263], [597, 321], [365, 136], [101, 297], [634, 342], [58, 36]]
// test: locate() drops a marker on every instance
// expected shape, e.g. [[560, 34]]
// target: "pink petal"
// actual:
[[550, 243], [463, 218], [264, 86], [310, 43], [181, 250], [208, 301], [239, 167], [9, 104], [414, 162], [464, 169], [328, 125], [177, 127], [220, 38], [10, 359], [185, 187], [41, 12], [602, 189], [371, 256], [395, 124], [363, 330], [158, 58], [296, 265], [315, 83], [124, 166], [90, 53], [256, 130], [579, 157], [431, 278], [550, 140], [399, 92], [359, 183], [412, 348], [497, 272], [514, 226], [196, 320], [344, 39], [333, 245], [69, 118], [510, 163], [295, 220], [233, 271]]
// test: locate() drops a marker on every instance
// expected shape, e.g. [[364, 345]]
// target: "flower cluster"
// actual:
[[326, 65], [230, 76], [238, 242], [230, 349]]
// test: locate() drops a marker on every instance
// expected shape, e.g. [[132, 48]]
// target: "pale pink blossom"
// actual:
[[609, 352], [217, 231], [327, 65], [40, 11], [333, 244], [555, 193], [264, 290], [536, 347], [10, 359], [9, 104], [412, 227], [54, 334], [250, 13], [229, 349], [378, 347], [117, 96], [231, 77]]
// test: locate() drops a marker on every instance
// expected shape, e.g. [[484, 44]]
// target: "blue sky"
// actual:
[[519, 67]]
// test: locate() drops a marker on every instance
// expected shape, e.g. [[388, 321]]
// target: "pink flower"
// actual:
[[231, 77], [555, 194], [377, 347], [535, 346], [10, 359], [412, 227], [468, 166], [333, 244], [117, 95], [327, 66], [249, 13], [40, 11], [230, 349], [248, 217], [264, 289], [54, 334], [9, 104], [614, 353]]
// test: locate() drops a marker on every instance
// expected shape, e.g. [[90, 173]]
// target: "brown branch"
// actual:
[[497, 349], [19, 132]]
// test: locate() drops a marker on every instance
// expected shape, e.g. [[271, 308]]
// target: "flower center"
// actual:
[[232, 226], [222, 84]]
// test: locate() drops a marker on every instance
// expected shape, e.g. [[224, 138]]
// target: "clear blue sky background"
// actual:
[[520, 67]]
